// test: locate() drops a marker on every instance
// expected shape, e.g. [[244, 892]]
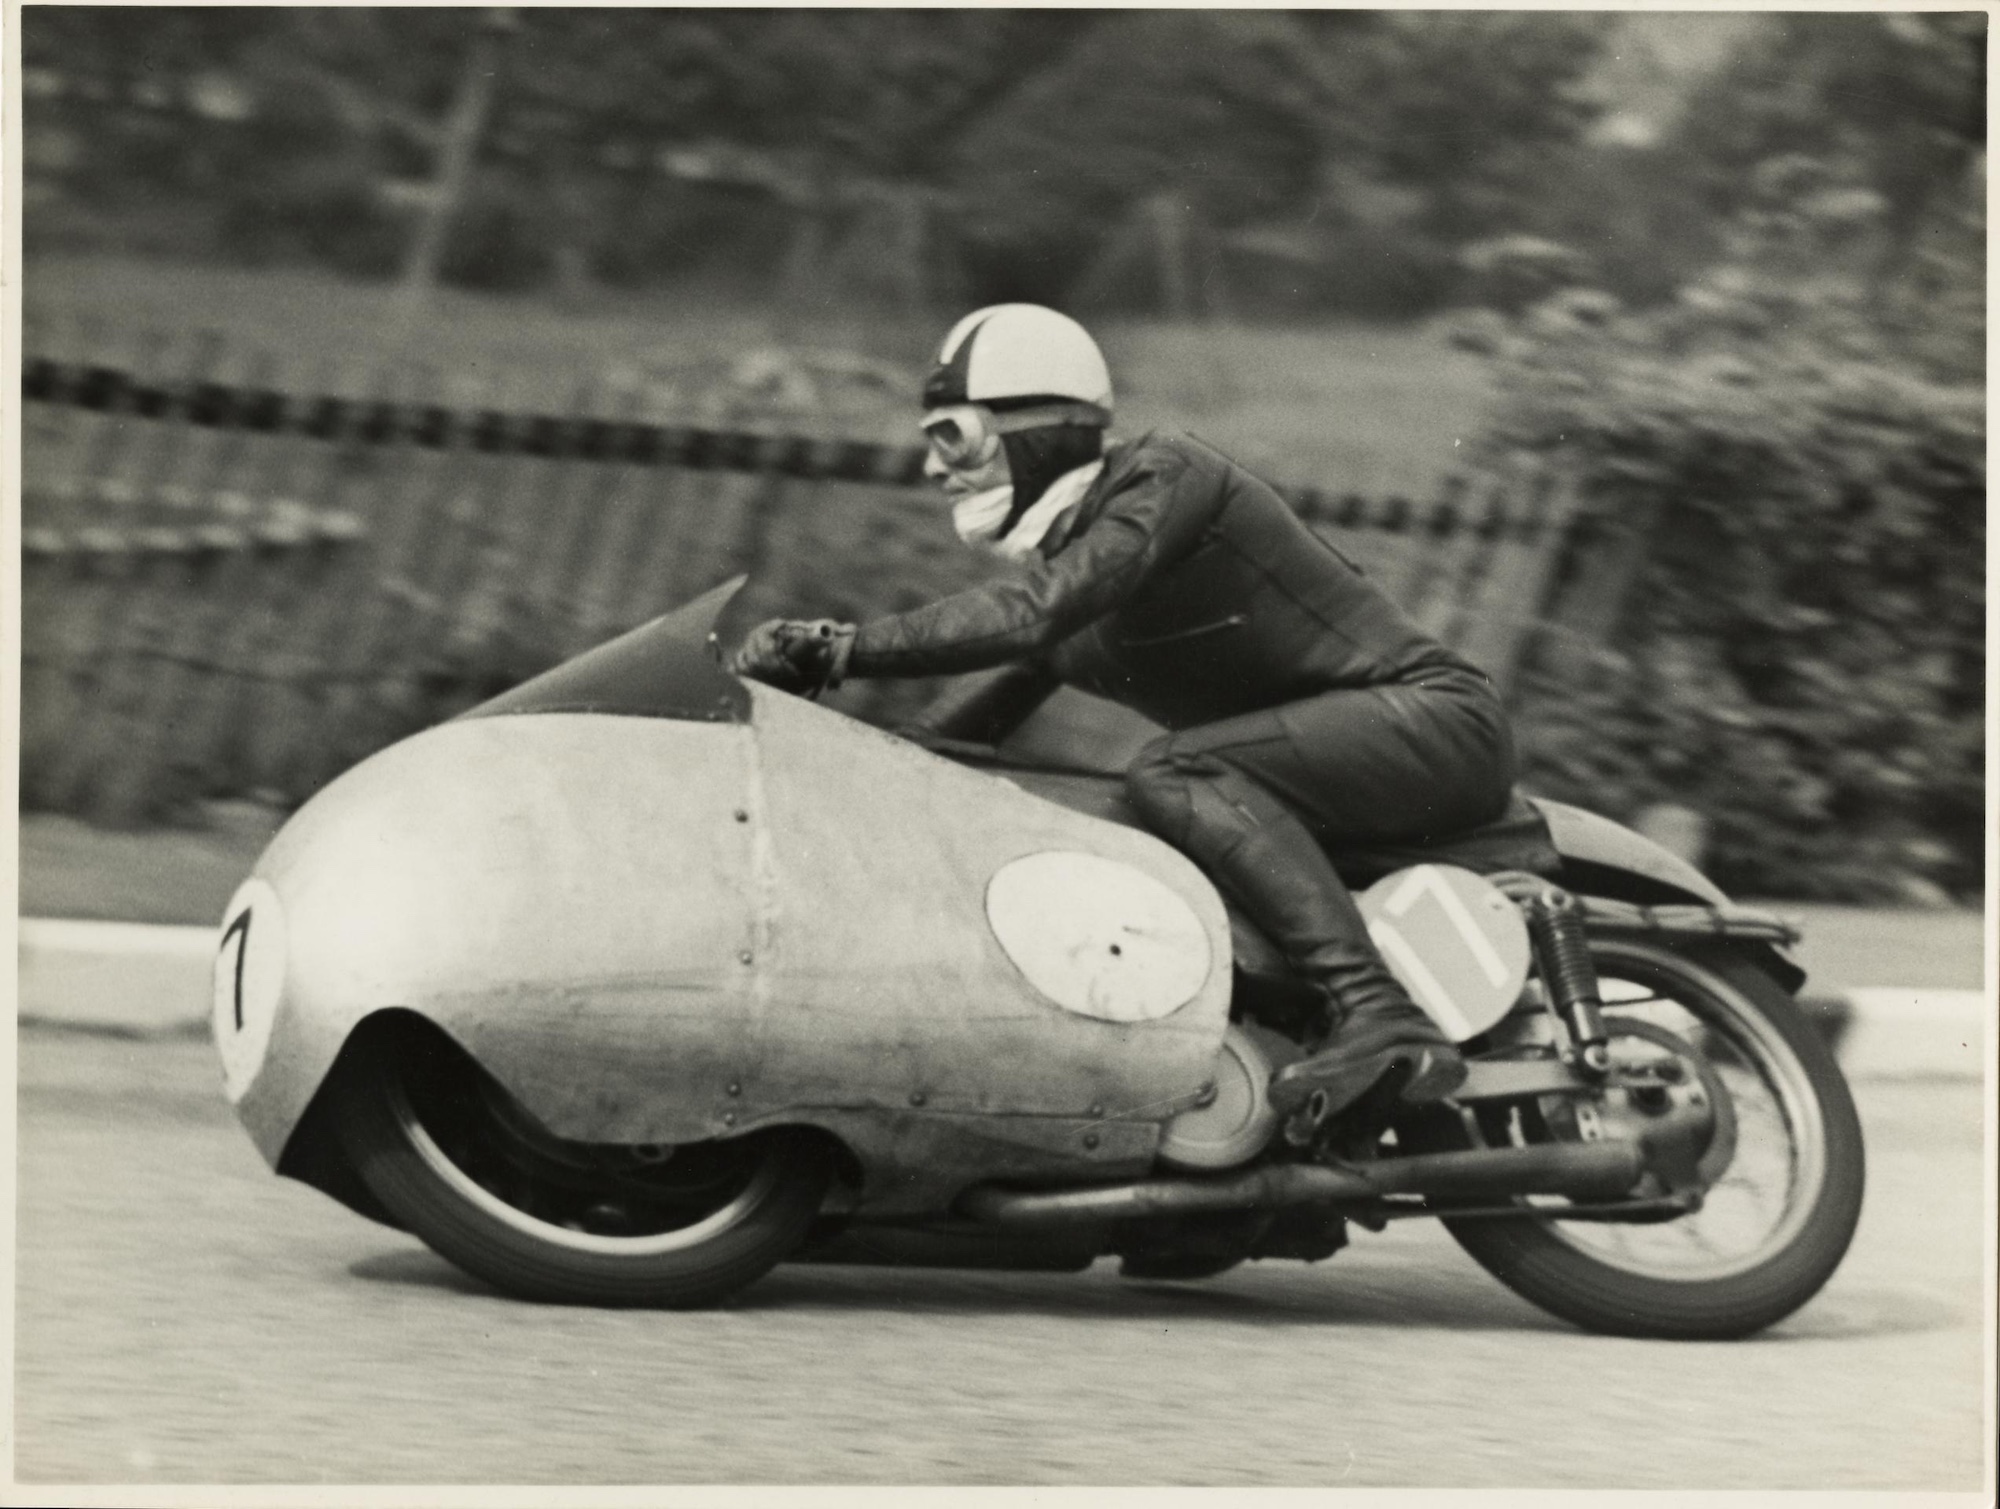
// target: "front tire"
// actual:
[[1791, 1116], [459, 1163]]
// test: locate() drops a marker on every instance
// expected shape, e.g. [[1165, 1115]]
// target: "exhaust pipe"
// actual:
[[1580, 1170]]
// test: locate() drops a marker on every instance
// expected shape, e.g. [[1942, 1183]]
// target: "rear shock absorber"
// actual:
[[1562, 947]]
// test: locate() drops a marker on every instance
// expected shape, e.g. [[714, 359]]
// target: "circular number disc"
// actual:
[[1098, 937]]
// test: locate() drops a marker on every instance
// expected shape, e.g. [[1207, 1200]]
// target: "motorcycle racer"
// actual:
[[1301, 705]]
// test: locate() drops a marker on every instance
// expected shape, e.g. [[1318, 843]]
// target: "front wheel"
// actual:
[[458, 1161], [1781, 1176]]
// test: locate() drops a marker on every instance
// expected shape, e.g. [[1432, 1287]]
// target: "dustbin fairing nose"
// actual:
[[427, 840], [507, 867]]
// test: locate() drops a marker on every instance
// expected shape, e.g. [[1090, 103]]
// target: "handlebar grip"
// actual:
[[809, 648]]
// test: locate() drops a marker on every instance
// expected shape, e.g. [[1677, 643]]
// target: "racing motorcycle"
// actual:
[[640, 979]]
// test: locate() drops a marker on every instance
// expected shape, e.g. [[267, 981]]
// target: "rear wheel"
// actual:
[[1781, 1173], [459, 1161]]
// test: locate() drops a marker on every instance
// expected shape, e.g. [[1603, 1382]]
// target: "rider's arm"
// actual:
[[986, 708], [1157, 515]]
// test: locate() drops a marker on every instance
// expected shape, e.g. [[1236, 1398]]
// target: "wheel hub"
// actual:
[[1661, 1093]]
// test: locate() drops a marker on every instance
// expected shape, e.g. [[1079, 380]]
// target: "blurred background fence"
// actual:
[[240, 577]]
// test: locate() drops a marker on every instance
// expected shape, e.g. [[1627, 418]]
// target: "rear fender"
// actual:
[[1604, 858], [1590, 844]]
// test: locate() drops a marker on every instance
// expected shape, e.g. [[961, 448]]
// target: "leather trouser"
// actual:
[[1252, 799]]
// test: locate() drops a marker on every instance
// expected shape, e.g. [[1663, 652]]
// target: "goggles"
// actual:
[[965, 435]]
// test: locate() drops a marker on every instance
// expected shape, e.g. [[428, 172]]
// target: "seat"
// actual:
[[1518, 839]]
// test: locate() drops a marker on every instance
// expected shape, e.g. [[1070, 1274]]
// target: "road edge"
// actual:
[[151, 980]]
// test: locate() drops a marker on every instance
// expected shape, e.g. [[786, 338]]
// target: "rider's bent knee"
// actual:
[[1158, 782]]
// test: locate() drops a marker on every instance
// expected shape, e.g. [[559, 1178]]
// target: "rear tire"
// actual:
[[454, 1159], [1552, 1269]]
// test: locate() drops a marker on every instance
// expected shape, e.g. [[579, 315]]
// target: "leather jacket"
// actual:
[[1184, 588]]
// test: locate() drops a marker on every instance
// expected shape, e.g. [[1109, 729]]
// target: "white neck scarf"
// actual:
[[979, 516]]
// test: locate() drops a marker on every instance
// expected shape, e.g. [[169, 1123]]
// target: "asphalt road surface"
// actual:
[[184, 1316]]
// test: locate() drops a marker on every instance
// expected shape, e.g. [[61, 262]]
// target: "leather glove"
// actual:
[[761, 656], [795, 655]]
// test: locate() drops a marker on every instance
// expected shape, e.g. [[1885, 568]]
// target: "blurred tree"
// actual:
[[1895, 101], [1439, 129], [1361, 149], [1466, 105], [1634, 209], [160, 42], [833, 99], [1224, 109], [457, 152], [1785, 627], [1371, 142], [866, 89], [248, 132]]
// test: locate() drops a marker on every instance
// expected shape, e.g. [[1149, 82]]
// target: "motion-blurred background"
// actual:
[[379, 357]]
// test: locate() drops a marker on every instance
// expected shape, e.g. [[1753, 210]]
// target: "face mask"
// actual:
[[978, 516]]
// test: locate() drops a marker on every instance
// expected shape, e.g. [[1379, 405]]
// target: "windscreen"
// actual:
[[667, 668]]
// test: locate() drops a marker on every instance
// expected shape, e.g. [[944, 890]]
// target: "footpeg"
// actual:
[[1433, 1077], [1413, 1075]]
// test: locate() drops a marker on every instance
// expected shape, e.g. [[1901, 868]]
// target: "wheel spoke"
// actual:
[[1706, 1049], [1657, 1016]]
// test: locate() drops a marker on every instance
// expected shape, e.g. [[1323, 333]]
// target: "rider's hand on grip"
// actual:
[[761, 656], [796, 656]]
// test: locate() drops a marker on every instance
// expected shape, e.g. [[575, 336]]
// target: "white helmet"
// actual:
[[1011, 356]]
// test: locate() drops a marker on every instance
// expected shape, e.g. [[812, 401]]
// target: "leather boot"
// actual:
[[1373, 1030], [1370, 1045], [1265, 858]]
